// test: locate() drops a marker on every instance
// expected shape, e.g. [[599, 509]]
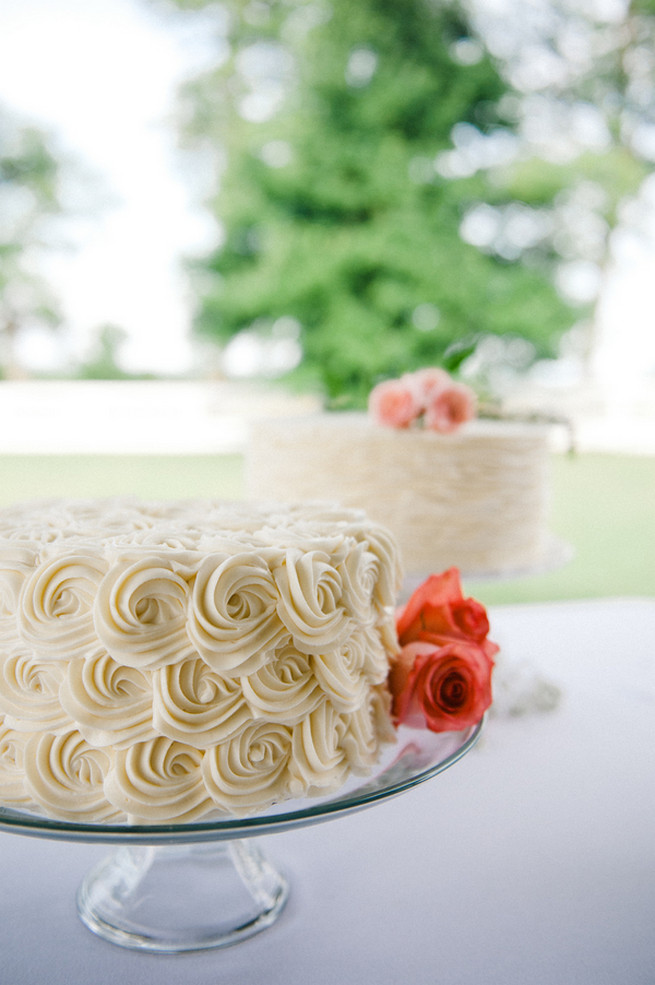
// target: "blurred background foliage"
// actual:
[[391, 184], [398, 183], [29, 200]]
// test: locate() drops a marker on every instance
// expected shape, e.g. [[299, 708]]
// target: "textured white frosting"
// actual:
[[163, 662], [477, 498]]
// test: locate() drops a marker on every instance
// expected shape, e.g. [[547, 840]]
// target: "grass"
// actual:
[[149, 476], [603, 506]]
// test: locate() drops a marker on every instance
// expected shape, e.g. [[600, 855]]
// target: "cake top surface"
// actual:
[[201, 526], [360, 423]]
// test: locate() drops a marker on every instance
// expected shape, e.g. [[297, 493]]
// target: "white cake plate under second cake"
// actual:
[[187, 887], [556, 555]]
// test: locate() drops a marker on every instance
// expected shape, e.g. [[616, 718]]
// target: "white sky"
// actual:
[[103, 75]]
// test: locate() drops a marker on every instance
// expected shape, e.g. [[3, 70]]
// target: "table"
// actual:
[[530, 861]]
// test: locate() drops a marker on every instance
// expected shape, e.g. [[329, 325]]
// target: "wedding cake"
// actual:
[[454, 489], [167, 662]]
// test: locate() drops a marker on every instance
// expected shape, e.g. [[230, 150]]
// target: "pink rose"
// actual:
[[393, 404], [444, 688], [442, 677], [438, 613], [450, 407], [428, 382]]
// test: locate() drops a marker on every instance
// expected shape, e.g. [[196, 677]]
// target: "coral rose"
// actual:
[[449, 408], [427, 383], [438, 613], [442, 678], [444, 688], [393, 403], [428, 397]]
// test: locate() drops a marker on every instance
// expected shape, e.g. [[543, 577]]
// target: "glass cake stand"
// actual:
[[188, 887]]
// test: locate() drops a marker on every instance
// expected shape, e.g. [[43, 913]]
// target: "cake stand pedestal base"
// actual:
[[173, 898], [188, 887]]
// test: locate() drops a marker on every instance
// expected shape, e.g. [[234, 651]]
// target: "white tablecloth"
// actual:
[[532, 860]]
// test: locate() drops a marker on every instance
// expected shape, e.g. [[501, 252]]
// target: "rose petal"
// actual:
[[436, 590], [449, 408], [393, 404], [427, 383]]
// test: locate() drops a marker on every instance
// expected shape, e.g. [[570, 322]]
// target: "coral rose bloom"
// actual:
[[438, 613], [427, 383], [450, 407], [444, 688], [442, 677], [392, 403]]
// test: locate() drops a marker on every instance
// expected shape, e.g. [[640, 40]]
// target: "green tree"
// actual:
[[585, 75], [338, 213], [103, 361], [29, 200]]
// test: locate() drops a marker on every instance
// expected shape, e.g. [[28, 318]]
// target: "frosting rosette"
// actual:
[[367, 728], [12, 767], [110, 703], [381, 544], [340, 673], [233, 620], [251, 771], [192, 703], [140, 613], [283, 690], [55, 611], [29, 694], [311, 600], [360, 573], [15, 565], [65, 776], [158, 781], [319, 761], [376, 654]]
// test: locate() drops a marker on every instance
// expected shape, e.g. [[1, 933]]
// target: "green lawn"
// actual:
[[602, 505], [154, 476]]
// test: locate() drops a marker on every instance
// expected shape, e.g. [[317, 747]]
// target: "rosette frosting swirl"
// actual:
[[360, 573], [311, 600], [140, 613], [376, 654], [110, 703], [340, 673], [55, 612], [233, 620], [192, 703], [319, 760], [251, 770], [285, 689], [12, 767], [382, 545], [15, 565], [158, 781], [367, 727], [29, 694], [65, 777]]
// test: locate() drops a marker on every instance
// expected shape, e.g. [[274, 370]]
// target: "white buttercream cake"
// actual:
[[167, 662], [477, 498]]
